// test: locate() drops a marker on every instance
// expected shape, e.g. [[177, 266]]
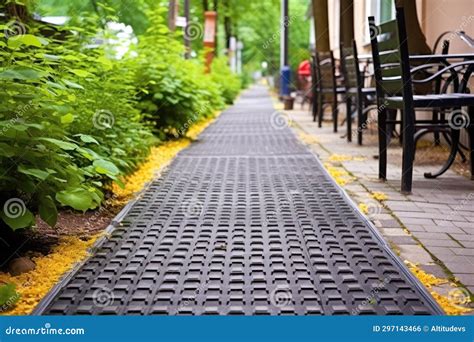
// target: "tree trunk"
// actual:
[[172, 15], [416, 39], [321, 24]]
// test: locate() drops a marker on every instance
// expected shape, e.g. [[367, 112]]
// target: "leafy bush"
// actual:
[[229, 83], [74, 119], [55, 149], [174, 91]]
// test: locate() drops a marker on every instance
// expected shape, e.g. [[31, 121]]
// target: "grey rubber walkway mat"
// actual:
[[246, 222]]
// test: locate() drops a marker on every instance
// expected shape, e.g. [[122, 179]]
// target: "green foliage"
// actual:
[[73, 118], [8, 296], [174, 91], [229, 83], [56, 148]]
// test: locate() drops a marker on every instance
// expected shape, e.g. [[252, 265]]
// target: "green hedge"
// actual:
[[72, 119]]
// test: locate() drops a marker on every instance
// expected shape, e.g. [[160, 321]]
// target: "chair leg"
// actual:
[[334, 112], [471, 140], [320, 111], [437, 141], [360, 120], [455, 133], [314, 108], [408, 129], [349, 118], [382, 132]]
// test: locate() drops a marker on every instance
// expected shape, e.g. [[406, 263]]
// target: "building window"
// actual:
[[382, 10]]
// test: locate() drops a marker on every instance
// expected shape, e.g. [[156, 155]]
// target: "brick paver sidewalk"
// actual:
[[433, 227]]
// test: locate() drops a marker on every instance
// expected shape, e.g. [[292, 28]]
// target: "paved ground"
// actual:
[[433, 227], [246, 221]]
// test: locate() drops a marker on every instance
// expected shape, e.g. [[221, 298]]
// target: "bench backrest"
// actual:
[[325, 70], [390, 57], [350, 67]]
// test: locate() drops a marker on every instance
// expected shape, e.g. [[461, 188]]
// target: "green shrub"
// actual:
[[53, 150], [228, 82], [74, 119], [174, 91]]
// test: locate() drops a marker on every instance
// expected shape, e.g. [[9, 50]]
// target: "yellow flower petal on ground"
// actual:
[[340, 158], [34, 285], [379, 196], [450, 304], [364, 208], [308, 139]]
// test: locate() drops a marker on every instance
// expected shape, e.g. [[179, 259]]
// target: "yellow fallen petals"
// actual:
[[427, 279], [379, 196], [364, 208], [340, 175], [34, 285], [196, 129], [339, 158], [160, 156], [451, 304], [451, 308], [307, 139]]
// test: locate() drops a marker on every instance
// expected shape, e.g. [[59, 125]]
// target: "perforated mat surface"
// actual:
[[245, 221]]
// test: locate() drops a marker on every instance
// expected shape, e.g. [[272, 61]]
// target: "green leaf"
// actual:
[[8, 294], [87, 139], [76, 198], [67, 119], [33, 172], [22, 74], [106, 168], [48, 211], [7, 150], [80, 73], [64, 145], [72, 84], [22, 219], [27, 39]]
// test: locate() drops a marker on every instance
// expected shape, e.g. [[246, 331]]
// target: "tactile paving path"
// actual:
[[245, 221]]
